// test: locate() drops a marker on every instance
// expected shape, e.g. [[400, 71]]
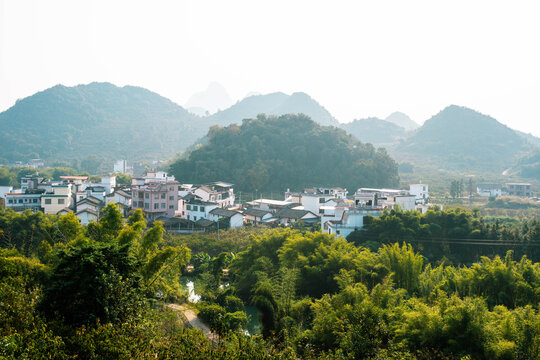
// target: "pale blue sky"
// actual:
[[357, 58]]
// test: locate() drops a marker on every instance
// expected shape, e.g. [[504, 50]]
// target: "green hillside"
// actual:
[[272, 104], [463, 139], [100, 119], [375, 131], [528, 165], [290, 151]]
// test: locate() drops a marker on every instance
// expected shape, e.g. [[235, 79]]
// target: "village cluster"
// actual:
[[188, 208]]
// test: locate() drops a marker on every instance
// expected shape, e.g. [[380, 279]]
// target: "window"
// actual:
[[202, 208], [156, 206], [10, 201], [195, 208], [20, 201], [156, 196], [171, 198], [47, 201], [146, 205], [146, 195], [34, 201], [163, 205], [61, 201], [188, 207], [171, 206], [194, 218], [321, 200], [163, 196]]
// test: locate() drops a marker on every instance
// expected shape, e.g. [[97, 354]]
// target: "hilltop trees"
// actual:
[[290, 151]]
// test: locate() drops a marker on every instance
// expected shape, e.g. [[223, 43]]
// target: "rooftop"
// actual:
[[224, 212]]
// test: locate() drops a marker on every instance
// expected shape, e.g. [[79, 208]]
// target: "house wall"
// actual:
[[4, 190], [162, 201], [21, 202], [237, 220], [405, 202], [420, 191], [195, 215], [57, 203], [86, 217], [87, 205]]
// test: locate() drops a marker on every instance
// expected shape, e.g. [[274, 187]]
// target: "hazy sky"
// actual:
[[357, 58]]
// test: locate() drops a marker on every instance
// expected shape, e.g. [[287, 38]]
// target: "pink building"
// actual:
[[155, 196]]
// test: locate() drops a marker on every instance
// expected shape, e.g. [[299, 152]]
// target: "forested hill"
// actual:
[[272, 104], [461, 138], [375, 131], [96, 119], [290, 151]]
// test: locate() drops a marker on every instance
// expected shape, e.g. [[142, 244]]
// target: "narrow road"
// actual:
[[194, 321]]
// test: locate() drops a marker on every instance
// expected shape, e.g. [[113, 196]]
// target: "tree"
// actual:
[[456, 188], [93, 282]]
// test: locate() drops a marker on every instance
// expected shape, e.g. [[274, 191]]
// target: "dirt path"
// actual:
[[194, 321]]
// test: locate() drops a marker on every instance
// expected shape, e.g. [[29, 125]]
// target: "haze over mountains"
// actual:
[[461, 138], [209, 101], [111, 122]]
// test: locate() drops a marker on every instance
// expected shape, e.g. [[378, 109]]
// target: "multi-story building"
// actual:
[[489, 190], [60, 198], [348, 221], [156, 196], [519, 189], [218, 192], [19, 201], [197, 209], [421, 192]]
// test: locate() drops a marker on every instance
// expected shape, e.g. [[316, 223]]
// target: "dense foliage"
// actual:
[[97, 292], [458, 235], [290, 151], [529, 164], [319, 294]]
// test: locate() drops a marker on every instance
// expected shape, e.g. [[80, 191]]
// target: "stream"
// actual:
[[253, 326]]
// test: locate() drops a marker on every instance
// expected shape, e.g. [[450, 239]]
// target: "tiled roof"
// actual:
[[90, 211], [256, 212], [223, 212], [90, 199], [123, 193], [204, 222], [65, 210], [292, 213]]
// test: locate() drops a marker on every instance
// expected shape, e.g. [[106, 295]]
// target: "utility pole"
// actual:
[[218, 228]]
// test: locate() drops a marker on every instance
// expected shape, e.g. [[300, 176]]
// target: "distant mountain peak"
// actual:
[[277, 103], [213, 99], [402, 119], [462, 138]]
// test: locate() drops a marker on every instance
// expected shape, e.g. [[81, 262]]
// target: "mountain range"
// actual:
[[110, 122], [101, 119]]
